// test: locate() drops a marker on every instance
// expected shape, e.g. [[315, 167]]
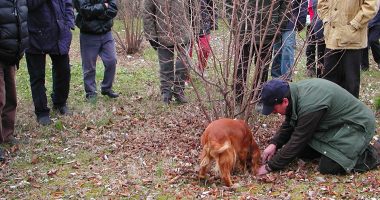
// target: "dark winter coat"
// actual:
[[375, 21], [208, 17], [167, 21], [50, 23], [298, 16], [266, 25], [316, 23], [94, 17], [13, 30]]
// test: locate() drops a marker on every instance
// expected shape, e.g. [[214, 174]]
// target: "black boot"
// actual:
[[2, 155], [166, 97], [180, 98]]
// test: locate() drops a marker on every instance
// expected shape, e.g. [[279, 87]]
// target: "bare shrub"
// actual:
[[245, 27], [130, 37]]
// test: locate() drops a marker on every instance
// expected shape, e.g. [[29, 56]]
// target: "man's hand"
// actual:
[[262, 171], [268, 153]]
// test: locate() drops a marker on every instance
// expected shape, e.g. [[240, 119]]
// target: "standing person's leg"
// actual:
[[166, 62], [262, 61], [321, 48], [203, 51], [277, 57], [242, 69], [61, 82], [351, 70], [332, 71], [8, 114], [108, 55], [36, 68], [373, 42], [89, 49], [8, 102], [181, 65], [365, 60], [287, 58], [310, 57]]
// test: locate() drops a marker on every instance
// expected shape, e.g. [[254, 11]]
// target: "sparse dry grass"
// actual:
[[135, 148]]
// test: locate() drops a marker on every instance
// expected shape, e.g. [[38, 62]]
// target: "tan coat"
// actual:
[[167, 21], [346, 22]]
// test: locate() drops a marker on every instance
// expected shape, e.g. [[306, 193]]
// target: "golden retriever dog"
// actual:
[[229, 142]]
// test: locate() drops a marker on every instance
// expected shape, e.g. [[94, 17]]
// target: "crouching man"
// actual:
[[322, 121]]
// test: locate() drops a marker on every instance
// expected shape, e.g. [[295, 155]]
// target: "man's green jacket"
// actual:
[[347, 126]]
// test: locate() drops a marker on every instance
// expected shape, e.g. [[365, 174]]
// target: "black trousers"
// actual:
[[368, 160], [36, 64], [315, 47], [262, 60], [374, 44], [342, 66]]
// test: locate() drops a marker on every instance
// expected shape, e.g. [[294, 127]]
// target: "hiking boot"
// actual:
[[110, 94], [44, 120], [166, 98], [63, 110], [180, 98]]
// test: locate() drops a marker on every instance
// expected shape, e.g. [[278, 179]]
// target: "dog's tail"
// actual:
[[211, 150]]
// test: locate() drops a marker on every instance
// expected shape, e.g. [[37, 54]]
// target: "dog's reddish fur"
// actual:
[[229, 142]]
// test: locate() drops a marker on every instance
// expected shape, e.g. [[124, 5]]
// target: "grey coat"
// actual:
[[167, 21]]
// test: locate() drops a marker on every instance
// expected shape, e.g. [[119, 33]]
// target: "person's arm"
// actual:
[[303, 132], [90, 10], [34, 4], [69, 11], [149, 22], [367, 11], [322, 10], [283, 134], [111, 10]]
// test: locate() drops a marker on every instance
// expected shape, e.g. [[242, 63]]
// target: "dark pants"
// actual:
[[342, 67], [36, 64], [92, 46], [172, 74], [262, 61], [8, 101], [368, 160], [315, 47], [373, 43]]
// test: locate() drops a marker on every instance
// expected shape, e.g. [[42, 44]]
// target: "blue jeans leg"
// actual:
[[287, 59], [276, 63]]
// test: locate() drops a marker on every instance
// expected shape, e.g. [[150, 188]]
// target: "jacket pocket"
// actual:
[[349, 140], [348, 36]]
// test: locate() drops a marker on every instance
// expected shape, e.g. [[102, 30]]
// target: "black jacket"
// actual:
[[93, 15], [13, 30]]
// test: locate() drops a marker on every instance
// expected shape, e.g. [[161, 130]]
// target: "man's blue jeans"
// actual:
[[284, 55]]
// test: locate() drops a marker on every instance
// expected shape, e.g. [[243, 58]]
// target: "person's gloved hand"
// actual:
[[154, 43]]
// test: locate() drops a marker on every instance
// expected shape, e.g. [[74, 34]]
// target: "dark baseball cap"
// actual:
[[272, 93]]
